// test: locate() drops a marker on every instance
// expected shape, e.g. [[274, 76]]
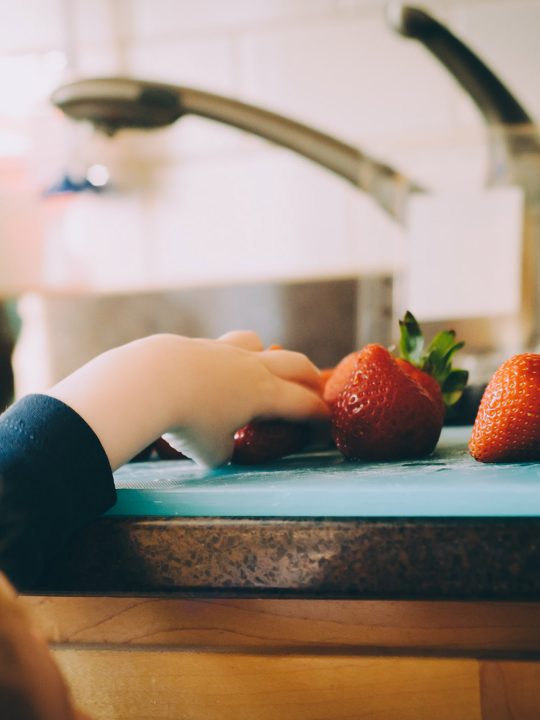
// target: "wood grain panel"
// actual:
[[510, 690], [441, 627], [167, 685]]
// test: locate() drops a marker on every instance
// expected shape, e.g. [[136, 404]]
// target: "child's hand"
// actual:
[[238, 381], [204, 390]]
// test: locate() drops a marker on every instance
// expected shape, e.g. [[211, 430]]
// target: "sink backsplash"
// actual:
[[323, 319]]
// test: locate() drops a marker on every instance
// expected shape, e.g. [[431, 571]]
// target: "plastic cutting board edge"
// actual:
[[447, 484]]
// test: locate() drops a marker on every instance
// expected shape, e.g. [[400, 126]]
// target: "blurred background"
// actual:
[[199, 228]]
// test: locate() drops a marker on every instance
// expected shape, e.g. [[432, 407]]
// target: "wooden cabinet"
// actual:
[[152, 658]]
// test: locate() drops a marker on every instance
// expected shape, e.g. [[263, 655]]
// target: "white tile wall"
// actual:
[[205, 62], [506, 33], [253, 209], [94, 23], [376, 241], [97, 243], [93, 60], [349, 76], [30, 25], [255, 217], [151, 19], [252, 217]]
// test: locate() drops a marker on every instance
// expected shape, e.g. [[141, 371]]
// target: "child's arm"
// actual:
[[57, 449], [203, 389]]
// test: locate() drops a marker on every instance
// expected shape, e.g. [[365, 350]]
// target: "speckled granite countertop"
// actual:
[[314, 526]]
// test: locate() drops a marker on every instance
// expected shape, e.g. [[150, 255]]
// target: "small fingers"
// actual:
[[291, 401], [292, 366], [245, 339]]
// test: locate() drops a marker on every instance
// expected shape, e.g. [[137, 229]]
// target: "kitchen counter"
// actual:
[[314, 525], [308, 588]]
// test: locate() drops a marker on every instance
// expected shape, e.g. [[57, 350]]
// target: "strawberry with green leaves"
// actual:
[[432, 366], [393, 408]]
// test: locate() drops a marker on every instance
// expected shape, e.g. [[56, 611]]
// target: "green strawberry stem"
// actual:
[[436, 359]]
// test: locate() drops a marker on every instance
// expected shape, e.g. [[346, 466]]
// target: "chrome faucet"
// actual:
[[112, 104]]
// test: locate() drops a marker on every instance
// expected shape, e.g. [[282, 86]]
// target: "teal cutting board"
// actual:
[[448, 484]]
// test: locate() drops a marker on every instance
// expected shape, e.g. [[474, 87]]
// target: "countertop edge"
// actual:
[[375, 558]]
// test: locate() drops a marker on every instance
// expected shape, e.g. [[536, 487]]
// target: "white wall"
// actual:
[[218, 205]]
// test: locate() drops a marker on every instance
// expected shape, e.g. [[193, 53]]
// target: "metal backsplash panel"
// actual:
[[325, 319]]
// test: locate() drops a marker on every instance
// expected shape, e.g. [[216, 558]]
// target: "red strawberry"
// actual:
[[384, 414], [507, 426], [265, 440], [380, 411], [339, 377], [428, 382], [432, 368]]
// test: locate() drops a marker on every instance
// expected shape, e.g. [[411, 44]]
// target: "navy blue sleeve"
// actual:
[[54, 478]]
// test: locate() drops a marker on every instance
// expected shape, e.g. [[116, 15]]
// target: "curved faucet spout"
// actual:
[[115, 103], [511, 130]]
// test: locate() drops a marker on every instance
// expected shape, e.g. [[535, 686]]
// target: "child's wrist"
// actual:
[[172, 360]]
